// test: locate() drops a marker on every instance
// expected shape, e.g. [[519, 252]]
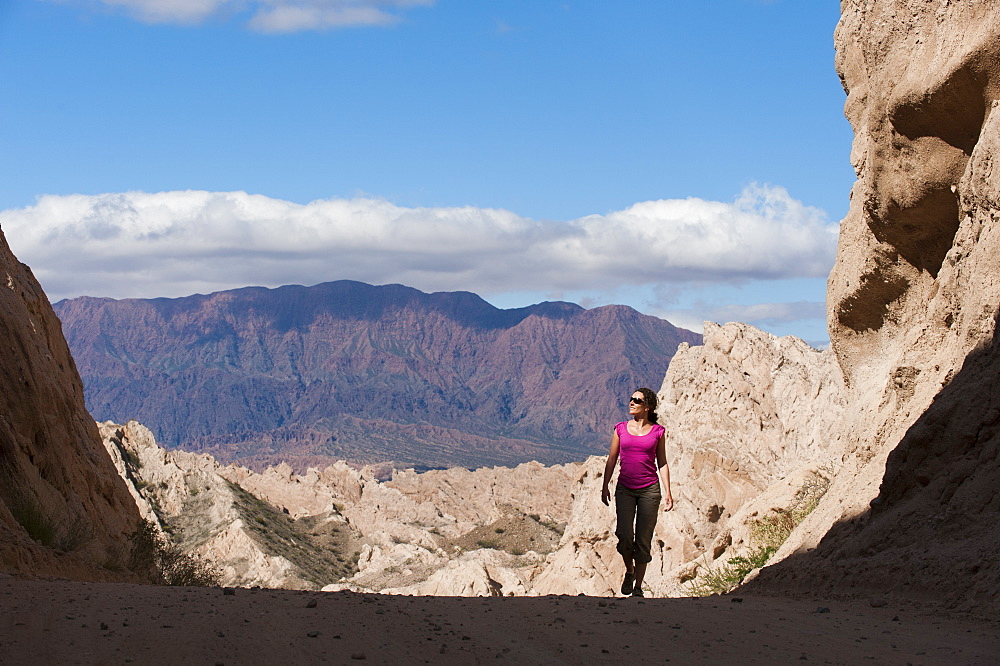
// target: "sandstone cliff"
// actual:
[[747, 417], [913, 302], [63, 510]]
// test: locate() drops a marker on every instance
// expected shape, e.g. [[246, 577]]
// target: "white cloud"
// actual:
[[769, 313], [271, 15], [761, 315], [804, 319], [177, 243]]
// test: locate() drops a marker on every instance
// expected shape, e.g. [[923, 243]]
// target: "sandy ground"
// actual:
[[62, 622]]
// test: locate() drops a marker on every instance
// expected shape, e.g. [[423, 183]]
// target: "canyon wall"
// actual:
[[901, 417], [913, 302], [63, 510]]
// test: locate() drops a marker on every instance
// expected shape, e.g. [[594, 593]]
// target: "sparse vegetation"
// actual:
[[513, 532], [726, 577], [74, 535], [30, 515], [68, 534], [164, 563], [558, 528], [767, 535], [317, 546], [130, 457]]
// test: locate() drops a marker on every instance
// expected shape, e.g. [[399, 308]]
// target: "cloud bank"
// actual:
[[762, 315], [271, 16], [138, 244]]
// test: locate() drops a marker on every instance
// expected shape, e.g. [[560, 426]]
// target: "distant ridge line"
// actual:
[[367, 373]]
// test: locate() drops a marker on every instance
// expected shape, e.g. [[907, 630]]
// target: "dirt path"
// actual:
[[60, 622]]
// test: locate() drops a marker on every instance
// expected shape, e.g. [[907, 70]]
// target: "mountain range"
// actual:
[[370, 374]]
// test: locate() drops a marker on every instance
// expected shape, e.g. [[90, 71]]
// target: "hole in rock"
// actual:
[[867, 307]]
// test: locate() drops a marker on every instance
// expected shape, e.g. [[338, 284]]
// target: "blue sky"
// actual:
[[689, 159]]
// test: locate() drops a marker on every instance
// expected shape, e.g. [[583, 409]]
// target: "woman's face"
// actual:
[[637, 404]]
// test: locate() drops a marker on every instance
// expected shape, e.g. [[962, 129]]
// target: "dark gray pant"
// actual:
[[637, 512]]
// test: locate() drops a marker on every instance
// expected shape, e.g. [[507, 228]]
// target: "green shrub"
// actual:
[[163, 563], [726, 577], [131, 458], [30, 515], [74, 535], [767, 534]]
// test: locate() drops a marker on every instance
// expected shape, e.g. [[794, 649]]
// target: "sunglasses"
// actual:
[[638, 401]]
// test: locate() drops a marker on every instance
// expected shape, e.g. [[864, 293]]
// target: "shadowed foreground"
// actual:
[[65, 622]]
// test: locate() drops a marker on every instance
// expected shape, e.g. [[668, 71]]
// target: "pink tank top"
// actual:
[[638, 456]]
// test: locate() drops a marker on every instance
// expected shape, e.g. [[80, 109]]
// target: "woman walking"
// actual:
[[640, 445]]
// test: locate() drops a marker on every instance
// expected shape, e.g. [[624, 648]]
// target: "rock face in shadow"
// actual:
[[63, 510], [345, 370], [913, 302]]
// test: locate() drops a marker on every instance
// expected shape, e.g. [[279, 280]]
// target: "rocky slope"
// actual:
[[746, 417], [63, 510], [440, 532], [913, 304], [529, 530], [345, 370]]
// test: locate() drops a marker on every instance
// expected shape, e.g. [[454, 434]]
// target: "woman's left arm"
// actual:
[[661, 463]]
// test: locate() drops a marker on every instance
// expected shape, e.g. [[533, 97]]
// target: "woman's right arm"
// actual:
[[609, 468]]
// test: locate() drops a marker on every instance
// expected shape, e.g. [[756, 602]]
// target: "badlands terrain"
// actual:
[[892, 435]]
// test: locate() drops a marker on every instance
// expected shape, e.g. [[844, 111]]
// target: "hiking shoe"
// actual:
[[627, 583], [637, 592]]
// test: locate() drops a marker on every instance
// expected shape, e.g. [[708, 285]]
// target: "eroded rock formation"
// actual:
[[745, 411], [913, 303], [748, 416], [63, 510], [341, 527]]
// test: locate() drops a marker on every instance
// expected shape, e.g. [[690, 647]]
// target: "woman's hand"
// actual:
[[668, 503], [605, 495]]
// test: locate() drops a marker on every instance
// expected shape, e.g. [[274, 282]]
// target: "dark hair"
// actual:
[[650, 402]]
